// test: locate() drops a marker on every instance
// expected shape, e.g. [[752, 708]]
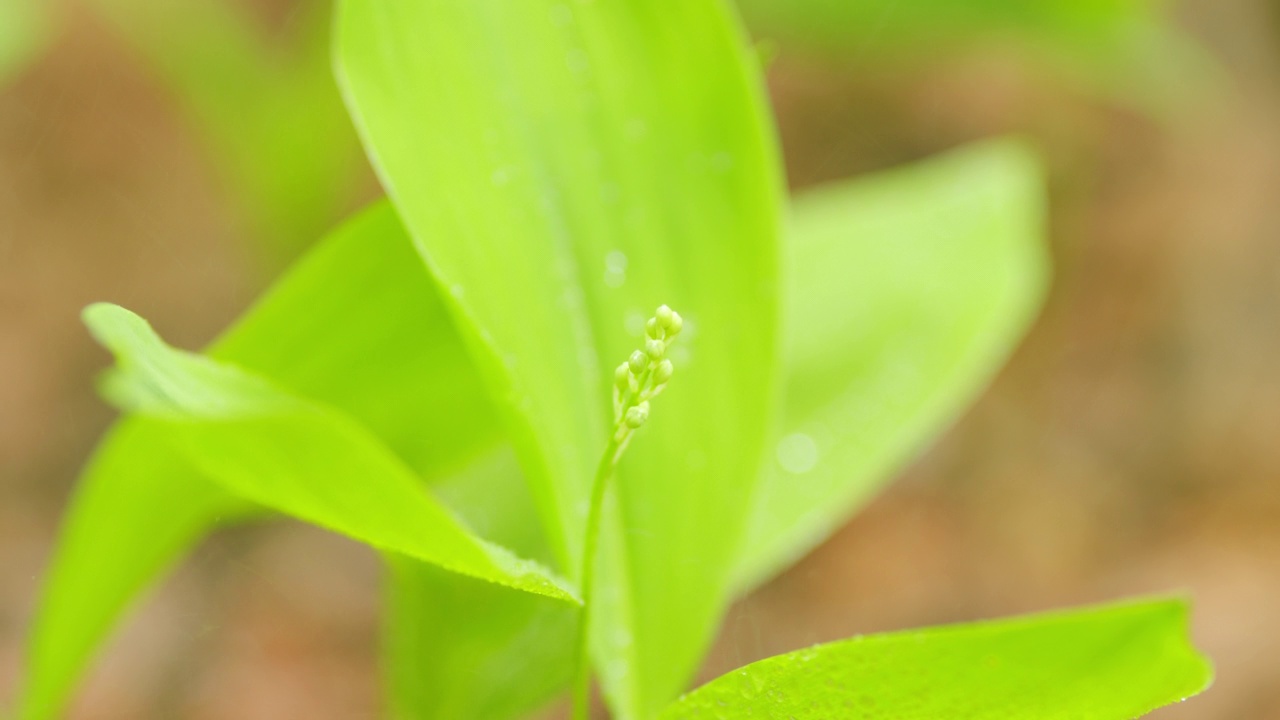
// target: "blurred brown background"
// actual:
[[1132, 445]]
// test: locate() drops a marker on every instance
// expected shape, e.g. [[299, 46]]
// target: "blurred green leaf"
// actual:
[[266, 106], [1107, 663], [295, 456], [861, 26], [564, 168], [355, 325], [1127, 49], [458, 648], [138, 508], [906, 291], [25, 28], [359, 326], [468, 650]]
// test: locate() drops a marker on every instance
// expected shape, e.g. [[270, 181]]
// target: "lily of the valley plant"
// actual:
[[436, 379]]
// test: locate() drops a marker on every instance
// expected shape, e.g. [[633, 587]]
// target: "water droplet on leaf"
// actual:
[[797, 453]]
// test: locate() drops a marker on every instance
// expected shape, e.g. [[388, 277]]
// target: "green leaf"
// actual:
[[1107, 663], [467, 650], [357, 326], [296, 456], [937, 270], [1128, 49], [458, 648], [25, 29], [138, 508], [265, 105], [536, 148], [907, 291], [868, 25]]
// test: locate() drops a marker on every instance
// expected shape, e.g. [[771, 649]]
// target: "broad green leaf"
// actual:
[[138, 508], [266, 106], [295, 456], [356, 325], [25, 27], [952, 250], [897, 235], [907, 290], [1107, 663], [564, 168], [462, 649], [468, 650]]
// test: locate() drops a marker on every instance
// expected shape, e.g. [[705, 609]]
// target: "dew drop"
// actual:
[[680, 354], [457, 290], [572, 299], [696, 460], [616, 261], [797, 453], [689, 331], [561, 15], [636, 129], [500, 177], [615, 269], [609, 194], [622, 638], [578, 61], [634, 323]]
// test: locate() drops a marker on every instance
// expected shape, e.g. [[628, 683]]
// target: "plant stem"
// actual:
[[582, 678]]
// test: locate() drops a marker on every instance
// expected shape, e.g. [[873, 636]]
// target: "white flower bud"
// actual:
[[638, 362], [663, 372], [637, 415], [664, 315], [674, 324], [653, 329], [654, 349]]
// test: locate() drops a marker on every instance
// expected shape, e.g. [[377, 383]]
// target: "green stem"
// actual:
[[582, 678]]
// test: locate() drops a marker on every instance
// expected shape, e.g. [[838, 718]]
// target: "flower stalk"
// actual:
[[636, 383]]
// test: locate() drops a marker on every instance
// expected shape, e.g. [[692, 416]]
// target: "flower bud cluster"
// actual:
[[646, 372]]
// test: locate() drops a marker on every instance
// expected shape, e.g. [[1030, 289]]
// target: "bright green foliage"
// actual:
[[536, 148], [265, 105], [24, 31], [139, 508], [971, 224], [295, 456], [1108, 663], [906, 291], [355, 326], [562, 168], [459, 648], [358, 326]]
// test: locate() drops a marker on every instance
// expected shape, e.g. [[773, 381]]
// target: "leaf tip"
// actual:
[[114, 326]]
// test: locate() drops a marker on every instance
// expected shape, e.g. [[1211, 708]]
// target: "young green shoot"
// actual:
[[636, 383]]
